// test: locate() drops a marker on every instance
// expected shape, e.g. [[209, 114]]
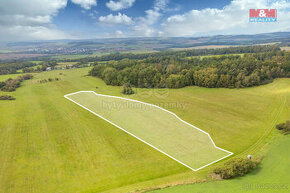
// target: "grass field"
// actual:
[[272, 176], [204, 47], [159, 128], [5, 77], [140, 51], [64, 64], [72, 56], [286, 48], [78, 56], [206, 56], [48, 144]]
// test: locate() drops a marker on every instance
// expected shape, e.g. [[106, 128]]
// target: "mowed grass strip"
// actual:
[[155, 126]]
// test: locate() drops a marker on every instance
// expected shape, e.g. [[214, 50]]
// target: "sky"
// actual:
[[25, 20]]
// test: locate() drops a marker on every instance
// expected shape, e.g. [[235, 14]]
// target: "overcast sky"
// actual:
[[22, 20]]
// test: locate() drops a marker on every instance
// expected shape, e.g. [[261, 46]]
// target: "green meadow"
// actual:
[[159, 128], [271, 176], [48, 144], [5, 77], [216, 56]]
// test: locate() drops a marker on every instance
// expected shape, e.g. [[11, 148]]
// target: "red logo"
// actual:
[[268, 15], [263, 13]]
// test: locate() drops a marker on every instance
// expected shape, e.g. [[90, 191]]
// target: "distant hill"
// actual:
[[93, 47]]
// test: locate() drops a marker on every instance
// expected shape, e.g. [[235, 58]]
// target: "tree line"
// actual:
[[183, 53], [228, 71], [12, 67], [27, 67]]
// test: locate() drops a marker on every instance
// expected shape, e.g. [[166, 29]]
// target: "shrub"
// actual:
[[27, 76], [127, 89], [6, 97], [43, 81], [284, 127], [11, 84], [236, 167]]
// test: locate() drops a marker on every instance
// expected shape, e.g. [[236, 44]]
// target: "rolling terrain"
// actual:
[[48, 144], [269, 177], [157, 127]]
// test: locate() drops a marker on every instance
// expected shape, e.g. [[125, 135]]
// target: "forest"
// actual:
[[182, 53], [228, 71]]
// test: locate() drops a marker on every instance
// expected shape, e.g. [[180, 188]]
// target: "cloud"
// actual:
[[86, 4], [31, 7], [30, 20], [116, 34], [119, 5], [160, 4], [24, 33], [24, 20], [232, 19], [116, 19], [144, 25]]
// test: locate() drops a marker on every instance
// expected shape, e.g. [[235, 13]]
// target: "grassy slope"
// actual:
[[48, 144], [5, 77], [64, 64], [272, 176], [155, 126]]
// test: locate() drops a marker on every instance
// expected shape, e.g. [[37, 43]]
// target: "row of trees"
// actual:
[[12, 67], [175, 72], [180, 54], [49, 80], [12, 84], [27, 67]]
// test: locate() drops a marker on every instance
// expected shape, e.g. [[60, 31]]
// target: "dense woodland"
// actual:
[[180, 54], [229, 71], [238, 67]]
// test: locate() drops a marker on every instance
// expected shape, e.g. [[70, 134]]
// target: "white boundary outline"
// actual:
[[230, 153]]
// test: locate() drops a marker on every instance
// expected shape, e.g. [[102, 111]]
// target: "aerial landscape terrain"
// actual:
[[141, 106]]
